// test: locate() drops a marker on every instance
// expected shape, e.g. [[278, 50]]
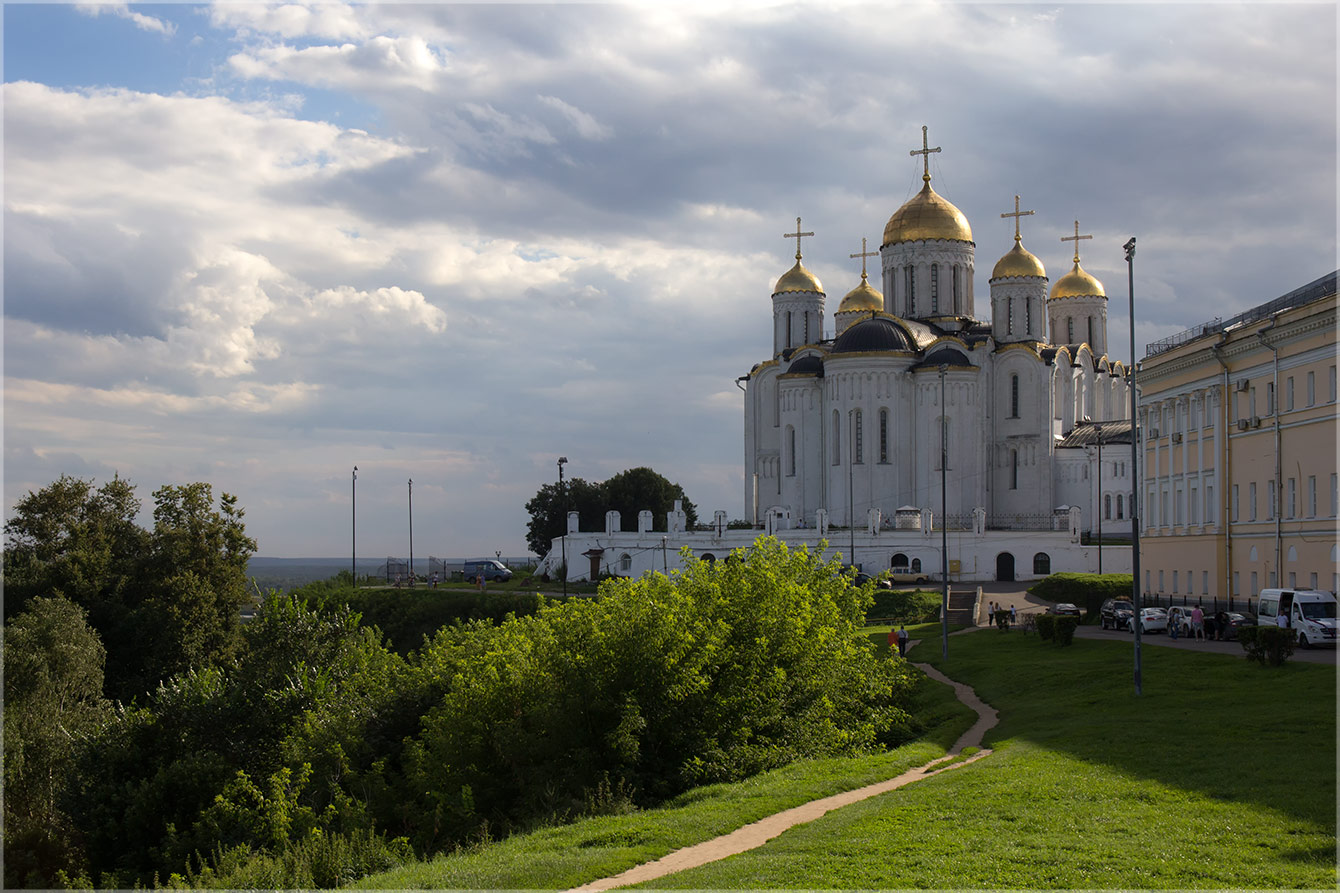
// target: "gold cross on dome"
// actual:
[[863, 255], [925, 151], [1016, 215], [1076, 239], [796, 235]]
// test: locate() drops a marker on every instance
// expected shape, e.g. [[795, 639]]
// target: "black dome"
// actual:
[[876, 333], [944, 355], [808, 363]]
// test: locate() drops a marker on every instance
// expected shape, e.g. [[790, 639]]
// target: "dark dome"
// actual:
[[808, 363], [876, 333], [946, 356]]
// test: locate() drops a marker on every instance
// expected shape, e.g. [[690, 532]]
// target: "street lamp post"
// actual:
[[1135, 466], [1098, 508], [411, 533], [851, 505], [563, 497], [353, 527]]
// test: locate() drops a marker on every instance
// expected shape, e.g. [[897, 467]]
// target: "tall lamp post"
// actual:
[[353, 527], [563, 497], [851, 504], [1135, 466], [944, 520], [411, 532], [1098, 509]]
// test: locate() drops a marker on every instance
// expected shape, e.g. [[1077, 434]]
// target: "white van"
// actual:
[[1310, 612]]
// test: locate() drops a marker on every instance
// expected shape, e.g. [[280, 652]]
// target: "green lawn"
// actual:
[[1221, 775]]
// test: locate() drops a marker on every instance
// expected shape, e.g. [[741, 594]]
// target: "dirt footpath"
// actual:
[[760, 832]]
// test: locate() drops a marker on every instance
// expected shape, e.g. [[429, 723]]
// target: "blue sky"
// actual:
[[259, 244]]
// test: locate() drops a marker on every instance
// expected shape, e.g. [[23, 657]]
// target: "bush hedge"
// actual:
[[905, 607], [1267, 645], [1057, 628], [1087, 591]]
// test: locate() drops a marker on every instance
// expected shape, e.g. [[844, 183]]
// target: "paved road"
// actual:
[[1321, 655]]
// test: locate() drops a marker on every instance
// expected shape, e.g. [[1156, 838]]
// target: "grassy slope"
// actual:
[[568, 855], [1221, 775]]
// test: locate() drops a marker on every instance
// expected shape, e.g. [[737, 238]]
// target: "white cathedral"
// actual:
[[852, 431]]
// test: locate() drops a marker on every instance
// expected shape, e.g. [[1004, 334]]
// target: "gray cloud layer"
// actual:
[[558, 229]]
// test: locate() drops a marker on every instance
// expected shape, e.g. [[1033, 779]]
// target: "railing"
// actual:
[[1321, 288], [1020, 522], [1210, 604]]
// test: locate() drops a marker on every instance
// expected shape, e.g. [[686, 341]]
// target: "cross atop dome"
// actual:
[[797, 236], [863, 255], [1016, 215], [1076, 238], [925, 151]]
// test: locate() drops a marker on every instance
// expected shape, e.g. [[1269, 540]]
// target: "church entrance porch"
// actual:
[[1005, 567]]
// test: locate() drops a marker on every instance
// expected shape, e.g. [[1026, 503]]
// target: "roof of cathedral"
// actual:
[[1088, 433], [798, 279], [808, 364], [1077, 284], [879, 332], [862, 297], [944, 355], [1018, 261], [927, 216]]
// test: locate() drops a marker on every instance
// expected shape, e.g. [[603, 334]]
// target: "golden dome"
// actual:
[[1018, 261], [927, 216], [1077, 284], [862, 297], [798, 279]]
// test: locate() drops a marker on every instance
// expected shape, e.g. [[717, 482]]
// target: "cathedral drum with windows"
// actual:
[[855, 427]]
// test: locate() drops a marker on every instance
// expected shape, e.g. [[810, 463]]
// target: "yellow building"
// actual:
[[1238, 432]]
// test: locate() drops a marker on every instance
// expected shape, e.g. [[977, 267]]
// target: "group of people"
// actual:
[[1202, 627], [992, 607]]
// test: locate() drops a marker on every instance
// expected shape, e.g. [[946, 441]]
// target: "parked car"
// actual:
[[1064, 608], [1115, 613], [1227, 624], [907, 575], [491, 568], [1152, 620]]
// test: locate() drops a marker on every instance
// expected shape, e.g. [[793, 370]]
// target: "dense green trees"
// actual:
[[627, 492], [300, 750], [162, 600]]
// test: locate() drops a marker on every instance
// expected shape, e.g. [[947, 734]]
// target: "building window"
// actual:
[[911, 291], [1251, 402], [1161, 587], [1312, 580], [1288, 394], [958, 302], [1251, 501], [625, 563], [1009, 315], [1014, 469], [790, 451], [1176, 585], [1293, 580], [1312, 496], [1119, 507], [1204, 582], [898, 560], [1070, 330], [1335, 496], [807, 329], [788, 328], [1042, 563], [935, 289], [1028, 317], [1331, 384], [1270, 492], [1107, 506], [858, 440], [1090, 342], [1292, 506], [1014, 396], [1211, 510], [1237, 581], [1235, 503], [1311, 389], [1256, 587], [916, 565], [837, 438], [1270, 398], [884, 437], [1193, 507]]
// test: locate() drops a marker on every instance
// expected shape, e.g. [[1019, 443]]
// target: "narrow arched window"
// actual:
[[1014, 469], [1090, 331], [884, 436], [1042, 563], [1070, 330], [958, 302], [1107, 506], [910, 275], [1028, 317], [1009, 315], [790, 451], [858, 440], [916, 565], [788, 328], [625, 563], [837, 438], [1120, 515], [1014, 396], [935, 289]]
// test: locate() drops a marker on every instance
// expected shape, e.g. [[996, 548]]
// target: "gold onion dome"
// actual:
[[862, 297], [927, 216], [1018, 261], [798, 279], [1077, 284]]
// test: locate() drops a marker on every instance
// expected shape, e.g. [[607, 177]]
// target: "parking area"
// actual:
[[1320, 655]]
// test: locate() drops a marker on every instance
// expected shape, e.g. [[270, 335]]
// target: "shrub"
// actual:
[[1002, 620], [905, 606], [1065, 629], [1046, 624], [1267, 645]]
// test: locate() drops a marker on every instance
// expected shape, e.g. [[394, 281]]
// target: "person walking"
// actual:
[[1014, 617], [902, 641], [1198, 623]]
